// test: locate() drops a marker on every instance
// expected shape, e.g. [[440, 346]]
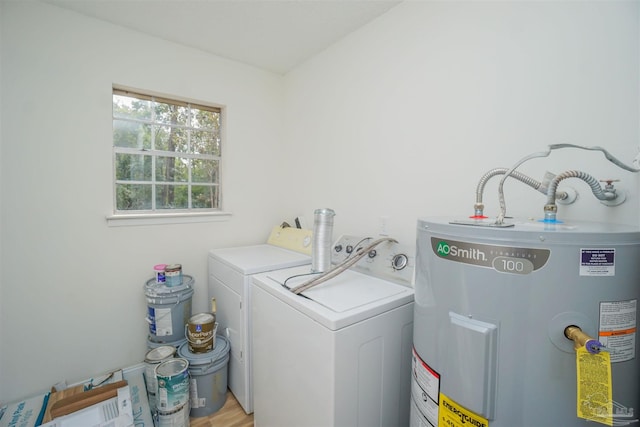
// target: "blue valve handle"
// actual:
[[593, 346]]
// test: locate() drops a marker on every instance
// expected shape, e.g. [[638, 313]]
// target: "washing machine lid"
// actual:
[[339, 302], [259, 258]]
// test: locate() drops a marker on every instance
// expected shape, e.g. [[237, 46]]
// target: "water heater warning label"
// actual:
[[618, 327], [597, 262], [425, 391]]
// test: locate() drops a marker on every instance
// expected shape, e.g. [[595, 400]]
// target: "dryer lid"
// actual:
[[259, 258]]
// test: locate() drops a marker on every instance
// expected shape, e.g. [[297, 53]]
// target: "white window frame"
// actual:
[[165, 215]]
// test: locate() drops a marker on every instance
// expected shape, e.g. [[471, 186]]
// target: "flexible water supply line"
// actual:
[[607, 155], [550, 208], [503, 205], [596, 189], [340, 267], [479, 205]]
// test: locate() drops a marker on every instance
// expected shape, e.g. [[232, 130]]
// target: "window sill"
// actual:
[[125, 220]]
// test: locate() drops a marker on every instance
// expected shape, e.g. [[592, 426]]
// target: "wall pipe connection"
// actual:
[[478, 207], [552, 208]]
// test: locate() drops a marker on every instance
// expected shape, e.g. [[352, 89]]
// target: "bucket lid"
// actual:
[[160, 353], [172, 367], [159, 343], [202, 318], [219, 351], [151, 288]]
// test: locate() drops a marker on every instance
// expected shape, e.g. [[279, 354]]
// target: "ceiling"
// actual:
[[272, 34]]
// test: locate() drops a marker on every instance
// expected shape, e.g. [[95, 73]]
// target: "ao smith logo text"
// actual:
[[505, 259], [445, 249]]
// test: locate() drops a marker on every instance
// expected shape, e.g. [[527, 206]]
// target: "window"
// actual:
[[166, 155]]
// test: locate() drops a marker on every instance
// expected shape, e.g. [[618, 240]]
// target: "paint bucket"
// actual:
[[168, 309], [208, 373], [152, 359], [176, 418], [200, 332], [173, 384]]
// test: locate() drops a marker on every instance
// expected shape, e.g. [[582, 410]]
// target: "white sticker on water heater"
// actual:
[[618, 328], [425, 389], [597, 262]]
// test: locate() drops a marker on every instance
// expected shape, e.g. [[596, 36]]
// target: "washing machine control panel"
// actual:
[[388, 260]]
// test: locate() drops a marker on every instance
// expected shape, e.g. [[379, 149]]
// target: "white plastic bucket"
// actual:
[[208, 373], [168, 309], [152, 344]]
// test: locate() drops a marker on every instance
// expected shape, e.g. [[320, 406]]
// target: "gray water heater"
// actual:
[[492, 309]]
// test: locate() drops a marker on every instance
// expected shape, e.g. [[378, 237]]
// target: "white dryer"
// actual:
[[337, 354], [230, 271]]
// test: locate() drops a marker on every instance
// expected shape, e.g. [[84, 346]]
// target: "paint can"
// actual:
[[152, 359], [208, 372], [168, 310], [158, 271], [173, 275], [176, 418], [200, 332], [173, 384]]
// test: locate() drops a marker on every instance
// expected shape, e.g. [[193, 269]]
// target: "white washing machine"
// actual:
[[337, 354], [230, 271]]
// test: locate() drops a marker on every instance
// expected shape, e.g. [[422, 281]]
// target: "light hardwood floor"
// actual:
[[230, 415]]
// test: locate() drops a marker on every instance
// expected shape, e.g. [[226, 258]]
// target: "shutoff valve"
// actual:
[[580, 339]]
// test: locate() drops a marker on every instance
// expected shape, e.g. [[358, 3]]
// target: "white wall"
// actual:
[[402, 118], [2, 319], [73, 303]]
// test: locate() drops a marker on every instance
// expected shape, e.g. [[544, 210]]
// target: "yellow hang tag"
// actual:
[[594, 398]]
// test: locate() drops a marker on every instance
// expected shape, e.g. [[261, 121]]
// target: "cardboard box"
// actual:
[[113, 412]]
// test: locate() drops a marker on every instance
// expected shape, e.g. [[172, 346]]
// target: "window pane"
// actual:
[[171, 139], [131, 134], [204, 197], [148, 132], [172, 197], [205, 142], [133, 167], [171, 114], [205, 119], [172, 169], [131, 108], [133, 197], [204, 171]]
